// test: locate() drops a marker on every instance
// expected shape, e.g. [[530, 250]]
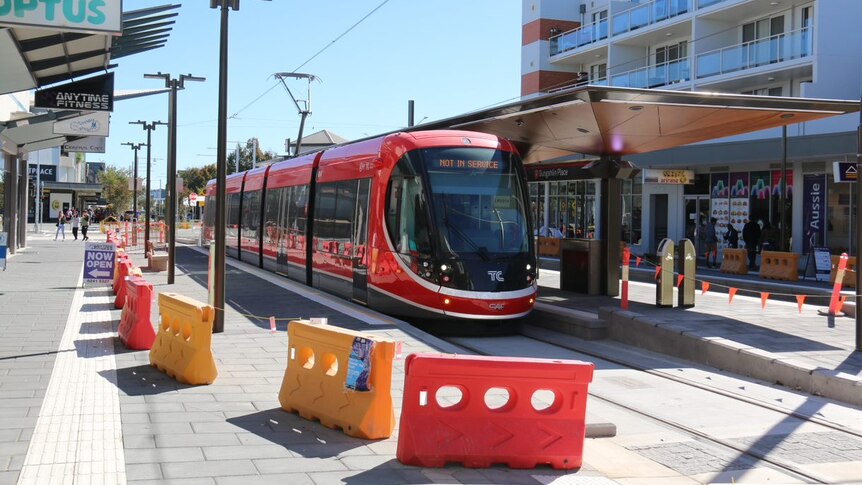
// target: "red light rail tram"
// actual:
[[429, 225]]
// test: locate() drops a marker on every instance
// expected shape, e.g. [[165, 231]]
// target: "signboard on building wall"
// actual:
[[668, 177], [95, 16], [88, 144], [91, 94], [814, 211], [844, 172], [93, 124], [47, 173]]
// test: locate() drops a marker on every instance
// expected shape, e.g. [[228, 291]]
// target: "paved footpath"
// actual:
[[77, 407]]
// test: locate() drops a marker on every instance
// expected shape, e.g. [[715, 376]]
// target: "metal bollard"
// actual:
[[664, 285], [687, 263]]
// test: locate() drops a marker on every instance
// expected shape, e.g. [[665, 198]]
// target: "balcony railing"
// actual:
[[592, 82], [583, 35], [654, 76], [707, 3], [760, 52], [648, 13]]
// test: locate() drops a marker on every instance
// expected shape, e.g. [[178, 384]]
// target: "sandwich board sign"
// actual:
[[99, 262]]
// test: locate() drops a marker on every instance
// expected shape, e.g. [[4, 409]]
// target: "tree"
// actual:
[[246, 158], [115, 188], [195, 179]]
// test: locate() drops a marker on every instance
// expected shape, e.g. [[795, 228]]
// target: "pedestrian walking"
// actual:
[[61, 226], [85, 224], [751, 236], [711, 239], [76, 223], [732, 236]]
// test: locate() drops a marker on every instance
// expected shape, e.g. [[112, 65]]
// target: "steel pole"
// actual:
[[782, 244], [859, 231], [221, 178], [172, 181], [149, 129], [135, 182]]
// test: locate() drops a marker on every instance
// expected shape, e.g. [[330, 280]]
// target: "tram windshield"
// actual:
[[478, 203]]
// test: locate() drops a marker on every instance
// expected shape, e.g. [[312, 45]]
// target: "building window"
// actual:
[[598, 72], [773, 91], [631, 218]]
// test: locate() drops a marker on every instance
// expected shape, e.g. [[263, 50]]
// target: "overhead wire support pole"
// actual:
[[303, 112], [859, 230], [174, 85], [135, 147], [149, 127]]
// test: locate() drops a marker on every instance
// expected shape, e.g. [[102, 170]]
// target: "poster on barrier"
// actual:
[[359, 365]]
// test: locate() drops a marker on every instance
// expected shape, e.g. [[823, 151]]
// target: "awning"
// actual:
[[614, 122], [82, 189], [33, 133], [37, 57]]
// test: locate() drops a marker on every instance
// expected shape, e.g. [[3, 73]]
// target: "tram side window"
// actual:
[[345, 207], [406, 214], [324, 214], [270, 217], [298, 208], [232, 214], [209, 211], [250, 214]]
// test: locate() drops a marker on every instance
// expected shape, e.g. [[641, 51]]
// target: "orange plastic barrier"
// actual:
[[135, 330], [182, 348], [520, 433], [549, 246], [121, 270], [131, 272], [734, 261], [340, 377], [777, 265], [849, 272]]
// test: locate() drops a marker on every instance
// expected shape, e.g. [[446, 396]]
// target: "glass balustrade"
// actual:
[[707, 3], [586, 34], [760, 52], [648, 13], [654, 76]]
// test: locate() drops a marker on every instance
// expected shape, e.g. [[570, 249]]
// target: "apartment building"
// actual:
[[810, 49]]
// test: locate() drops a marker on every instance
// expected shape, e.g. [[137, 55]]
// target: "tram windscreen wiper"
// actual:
[[480, 250]]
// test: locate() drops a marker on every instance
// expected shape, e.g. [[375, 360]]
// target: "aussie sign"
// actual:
[[98, 262], [814, 211]]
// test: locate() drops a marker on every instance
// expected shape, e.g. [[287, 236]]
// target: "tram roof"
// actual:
[[613, 122]]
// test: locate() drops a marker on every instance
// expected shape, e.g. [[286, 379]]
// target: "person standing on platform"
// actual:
[[76, 223], [751, 236], [85, 224], [732, 236], [61, 225], [711, 239]]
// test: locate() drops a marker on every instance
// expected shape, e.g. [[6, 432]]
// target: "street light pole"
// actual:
[[174, 85], [149, 127], [135, 147]]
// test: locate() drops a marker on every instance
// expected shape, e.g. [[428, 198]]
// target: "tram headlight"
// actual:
[[529, 267], [446, 301], [443, 267]]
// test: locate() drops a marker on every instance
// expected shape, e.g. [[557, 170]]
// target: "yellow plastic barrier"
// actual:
[[776, 265], [849, 273], [182, 348], [734, 261], [549, 246], [340, 377]]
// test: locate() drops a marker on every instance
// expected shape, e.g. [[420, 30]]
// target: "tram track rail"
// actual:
[[562, 341]]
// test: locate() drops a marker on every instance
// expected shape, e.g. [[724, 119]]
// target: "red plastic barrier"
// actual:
[[521, 433], [122, 270], [136, 330], [125, 271]]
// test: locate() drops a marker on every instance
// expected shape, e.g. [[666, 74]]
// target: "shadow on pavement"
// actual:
[[305, 438], [142, 380]]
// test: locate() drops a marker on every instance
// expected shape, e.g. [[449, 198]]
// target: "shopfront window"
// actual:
[[632, 202]]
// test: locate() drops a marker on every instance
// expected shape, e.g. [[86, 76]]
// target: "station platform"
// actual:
[[77, 407]]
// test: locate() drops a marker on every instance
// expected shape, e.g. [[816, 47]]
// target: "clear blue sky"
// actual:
[[450, 56]]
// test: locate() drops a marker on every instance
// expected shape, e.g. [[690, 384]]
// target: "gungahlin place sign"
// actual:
[[91, 94]]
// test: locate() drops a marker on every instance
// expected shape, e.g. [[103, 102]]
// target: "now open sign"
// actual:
[[98, 262]]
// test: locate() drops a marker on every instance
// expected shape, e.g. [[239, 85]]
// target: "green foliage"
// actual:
[[115, 183], [246, 157]]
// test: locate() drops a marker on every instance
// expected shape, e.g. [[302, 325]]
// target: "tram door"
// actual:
[[283, 231], [360, 238], [696, 213]]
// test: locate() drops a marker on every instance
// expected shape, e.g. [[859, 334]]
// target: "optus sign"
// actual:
[[104, 16]]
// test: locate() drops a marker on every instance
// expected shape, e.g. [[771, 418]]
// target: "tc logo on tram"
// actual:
[[496, 275]]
